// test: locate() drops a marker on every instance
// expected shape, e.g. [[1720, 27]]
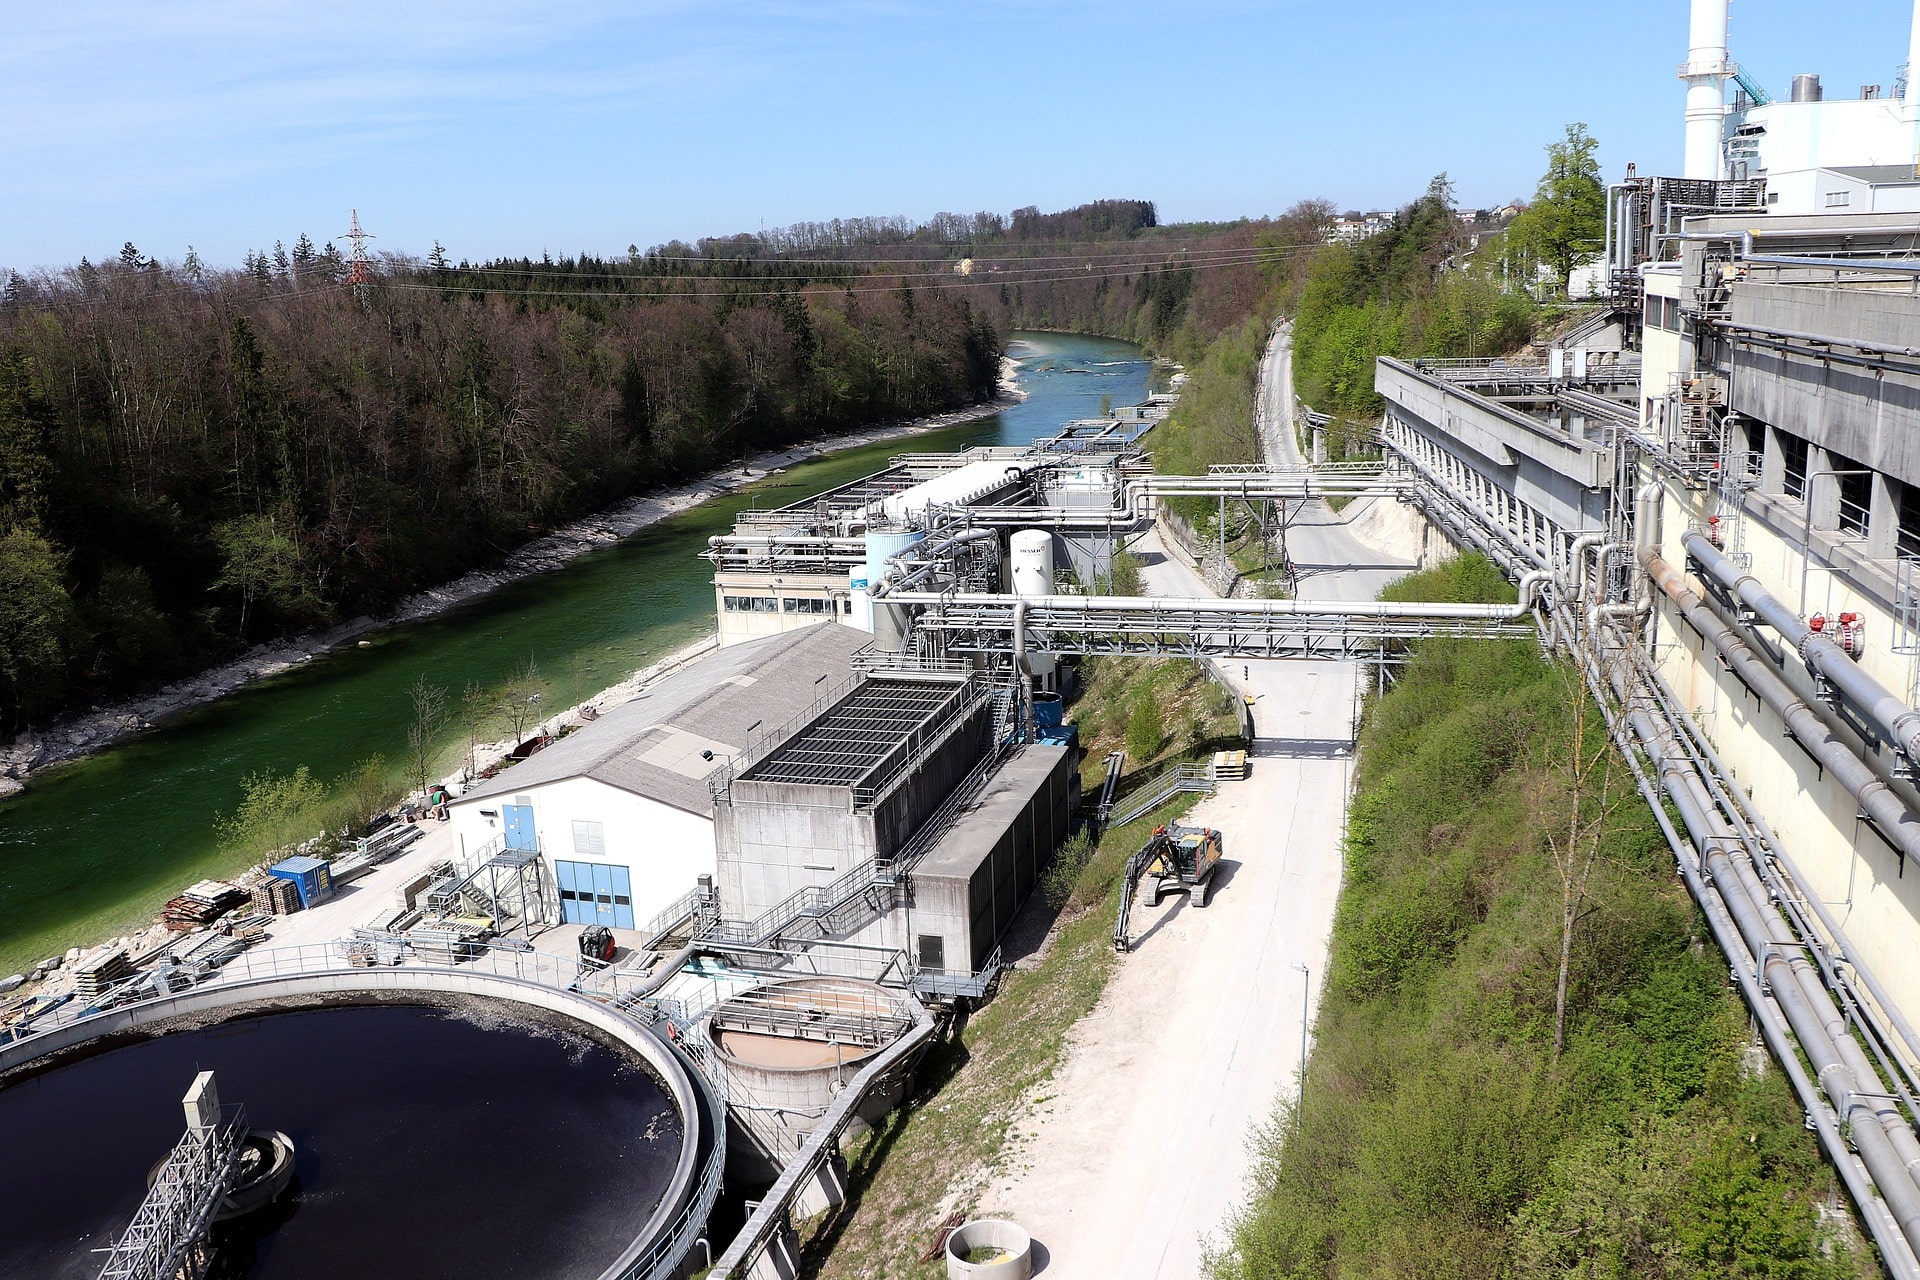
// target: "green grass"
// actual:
[[1439, 1134], [991, 1067]]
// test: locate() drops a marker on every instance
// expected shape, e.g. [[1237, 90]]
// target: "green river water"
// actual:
[[98, 844]]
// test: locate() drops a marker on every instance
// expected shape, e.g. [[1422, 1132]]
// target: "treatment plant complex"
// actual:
[[710, 931]]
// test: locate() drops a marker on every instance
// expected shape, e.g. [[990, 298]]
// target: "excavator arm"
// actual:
[[1137, 865]]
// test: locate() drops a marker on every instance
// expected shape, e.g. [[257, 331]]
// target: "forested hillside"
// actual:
[[193, 461]]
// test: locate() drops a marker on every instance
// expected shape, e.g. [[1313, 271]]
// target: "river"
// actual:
[[96, 845]]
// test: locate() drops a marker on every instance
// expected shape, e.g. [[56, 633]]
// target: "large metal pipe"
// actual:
[[1531, 585], [1896, 721], [1896, 1251], [1809, 1013], [1879, 801]]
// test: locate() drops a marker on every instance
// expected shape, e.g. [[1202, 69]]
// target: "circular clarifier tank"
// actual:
[[435, 1133], [787, 1049]]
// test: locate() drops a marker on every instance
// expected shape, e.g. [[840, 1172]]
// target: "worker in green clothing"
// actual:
[[437, 803]]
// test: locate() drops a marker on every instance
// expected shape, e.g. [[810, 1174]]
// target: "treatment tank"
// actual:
[[1032, 571], [787, 1049], [887, 622], [445, 1123]]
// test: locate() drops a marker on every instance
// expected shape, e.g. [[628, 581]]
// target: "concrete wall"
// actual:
[[773, 839], [665, 848], [1846, 863], [969, 887], [1544, 481]]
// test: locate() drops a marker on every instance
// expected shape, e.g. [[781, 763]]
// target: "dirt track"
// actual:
[[1140, 1149]]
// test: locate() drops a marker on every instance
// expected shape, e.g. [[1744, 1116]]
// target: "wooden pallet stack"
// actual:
[[201, 905], [93, 974], [276, 897], [1230, 766]]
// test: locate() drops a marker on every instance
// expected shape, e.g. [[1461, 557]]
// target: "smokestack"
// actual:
[[1705, 75], [1913, 63]]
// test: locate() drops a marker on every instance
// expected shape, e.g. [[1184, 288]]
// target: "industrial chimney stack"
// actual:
[[1706, 76]]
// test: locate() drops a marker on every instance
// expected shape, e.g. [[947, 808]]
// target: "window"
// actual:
[[806, 604], [1855, 493], [589, 838], [1908, 542], [1793, 463], [933, 953], [1839, 199], [749, 604]]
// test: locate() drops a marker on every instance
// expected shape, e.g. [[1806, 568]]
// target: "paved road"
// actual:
[[1140, 1150]]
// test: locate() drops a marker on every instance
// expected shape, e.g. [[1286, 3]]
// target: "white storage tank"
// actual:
[[887, 623], [1032, 571]]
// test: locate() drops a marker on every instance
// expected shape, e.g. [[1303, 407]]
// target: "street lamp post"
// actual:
[[1306, 1007]]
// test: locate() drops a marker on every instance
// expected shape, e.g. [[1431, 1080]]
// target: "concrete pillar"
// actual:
[[780, 1260], [1773, 464], [1823, 493], [826, 1189], [1883, 518]]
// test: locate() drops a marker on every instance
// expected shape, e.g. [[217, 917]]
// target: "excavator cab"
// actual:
[[1173, 858]]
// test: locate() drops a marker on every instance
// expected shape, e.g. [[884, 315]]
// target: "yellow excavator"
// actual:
[[1173, 858]]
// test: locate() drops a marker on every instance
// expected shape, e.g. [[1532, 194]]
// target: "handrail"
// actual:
[[1172, 782]]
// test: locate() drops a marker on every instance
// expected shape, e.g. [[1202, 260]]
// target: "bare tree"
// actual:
[[429, 714], [519, 699], [476, 713], [1592, 795]]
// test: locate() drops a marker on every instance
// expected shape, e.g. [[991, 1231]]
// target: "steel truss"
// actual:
[[167, 1239]]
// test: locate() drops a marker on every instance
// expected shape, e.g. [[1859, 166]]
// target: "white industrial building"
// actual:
[[620, 811]]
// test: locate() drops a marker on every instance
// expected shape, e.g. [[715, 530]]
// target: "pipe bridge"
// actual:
[[1205, 626]]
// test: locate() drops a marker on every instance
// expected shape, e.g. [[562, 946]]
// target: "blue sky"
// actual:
[[498, 126]]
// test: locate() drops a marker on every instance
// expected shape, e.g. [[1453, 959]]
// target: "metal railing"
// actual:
[[1178, 780], [170, 1226]]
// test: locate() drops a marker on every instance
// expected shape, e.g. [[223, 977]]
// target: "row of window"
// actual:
[[1855, 492], [1527, 524], [819, 605], [1663, 313]]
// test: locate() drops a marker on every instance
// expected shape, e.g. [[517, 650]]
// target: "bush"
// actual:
[[1069, 860], [1439, 1134], [1146, 728]]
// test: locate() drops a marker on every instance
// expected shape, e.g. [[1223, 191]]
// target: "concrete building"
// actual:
[[620, 812], [846, 790]]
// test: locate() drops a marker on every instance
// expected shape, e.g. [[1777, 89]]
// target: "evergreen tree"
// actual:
[[192, 265], [129, 256]]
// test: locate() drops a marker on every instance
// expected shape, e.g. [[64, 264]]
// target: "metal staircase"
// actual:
[[1176, 780]]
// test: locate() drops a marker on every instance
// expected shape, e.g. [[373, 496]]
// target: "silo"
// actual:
[[887, 622], [1033, 576]]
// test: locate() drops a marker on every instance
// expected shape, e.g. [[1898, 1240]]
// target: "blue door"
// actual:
[[595, 893], [520, 833], [622, 898], [576, 892]]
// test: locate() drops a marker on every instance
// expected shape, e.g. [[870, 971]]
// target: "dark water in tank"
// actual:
[[430, 1143]]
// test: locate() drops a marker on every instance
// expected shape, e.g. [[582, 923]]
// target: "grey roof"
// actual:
[[1880, 175], [651, 746]]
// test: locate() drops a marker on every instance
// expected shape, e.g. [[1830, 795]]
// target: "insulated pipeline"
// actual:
[[1809, 1013], [1898, 722], [1880, 802]]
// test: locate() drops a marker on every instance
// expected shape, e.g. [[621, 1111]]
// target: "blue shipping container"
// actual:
[[312, 877]]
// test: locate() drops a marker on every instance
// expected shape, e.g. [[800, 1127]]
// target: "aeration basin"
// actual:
[[444, 1123], [787, 1048]]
